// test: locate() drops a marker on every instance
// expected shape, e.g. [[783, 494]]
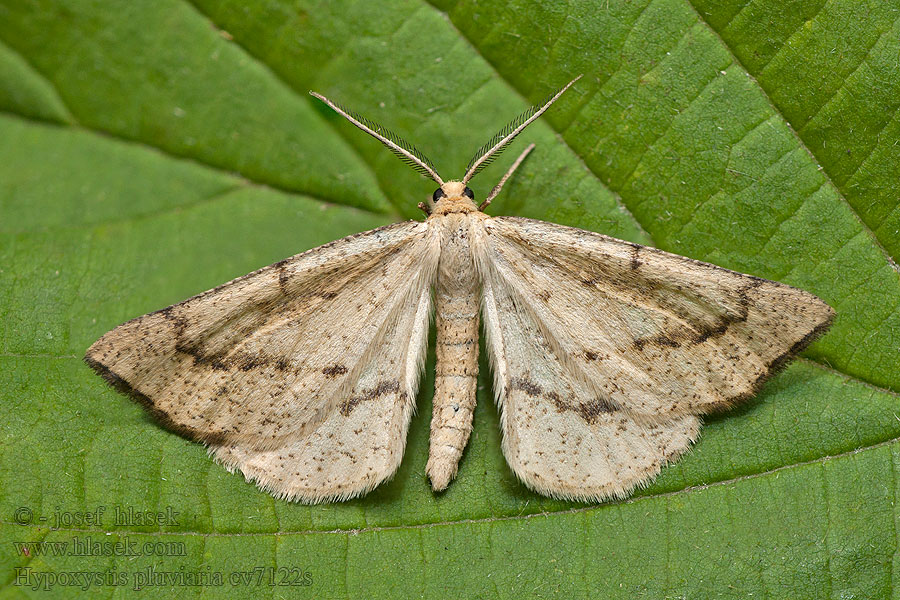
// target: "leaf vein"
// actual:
[[874, 238], [844, 81], [38, 73]]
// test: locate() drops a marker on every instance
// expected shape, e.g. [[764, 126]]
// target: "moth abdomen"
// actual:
[[456, 304]]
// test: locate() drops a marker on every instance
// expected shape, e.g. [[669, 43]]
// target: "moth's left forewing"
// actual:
[[302, 374], [605, 352]]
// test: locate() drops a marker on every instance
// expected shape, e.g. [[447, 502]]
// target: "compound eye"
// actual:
[[468, 192], [437, 195]]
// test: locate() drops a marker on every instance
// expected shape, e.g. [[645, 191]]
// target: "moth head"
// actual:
[[452, 190], [452, 196]]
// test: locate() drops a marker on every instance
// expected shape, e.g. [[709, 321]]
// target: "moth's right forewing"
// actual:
[[267, 357], [650, 332]]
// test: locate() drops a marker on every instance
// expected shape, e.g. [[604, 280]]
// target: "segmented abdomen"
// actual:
[[456, 304]]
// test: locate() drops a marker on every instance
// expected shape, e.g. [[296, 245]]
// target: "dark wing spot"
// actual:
[[282, 276], [635, 257], [382, 388], [248, 362], [589, 411], [334, 370], [660, 340]]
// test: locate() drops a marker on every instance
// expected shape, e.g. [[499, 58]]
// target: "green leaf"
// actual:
[[152, 150]]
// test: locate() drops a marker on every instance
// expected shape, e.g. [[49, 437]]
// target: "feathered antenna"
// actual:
[[396, 144], [487, 153]]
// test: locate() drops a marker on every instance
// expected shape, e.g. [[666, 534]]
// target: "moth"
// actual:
[[605, 354]]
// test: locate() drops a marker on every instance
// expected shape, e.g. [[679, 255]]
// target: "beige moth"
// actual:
[[605, 354]]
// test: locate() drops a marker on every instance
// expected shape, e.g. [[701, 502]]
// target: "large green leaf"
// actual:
[[151, 150]]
